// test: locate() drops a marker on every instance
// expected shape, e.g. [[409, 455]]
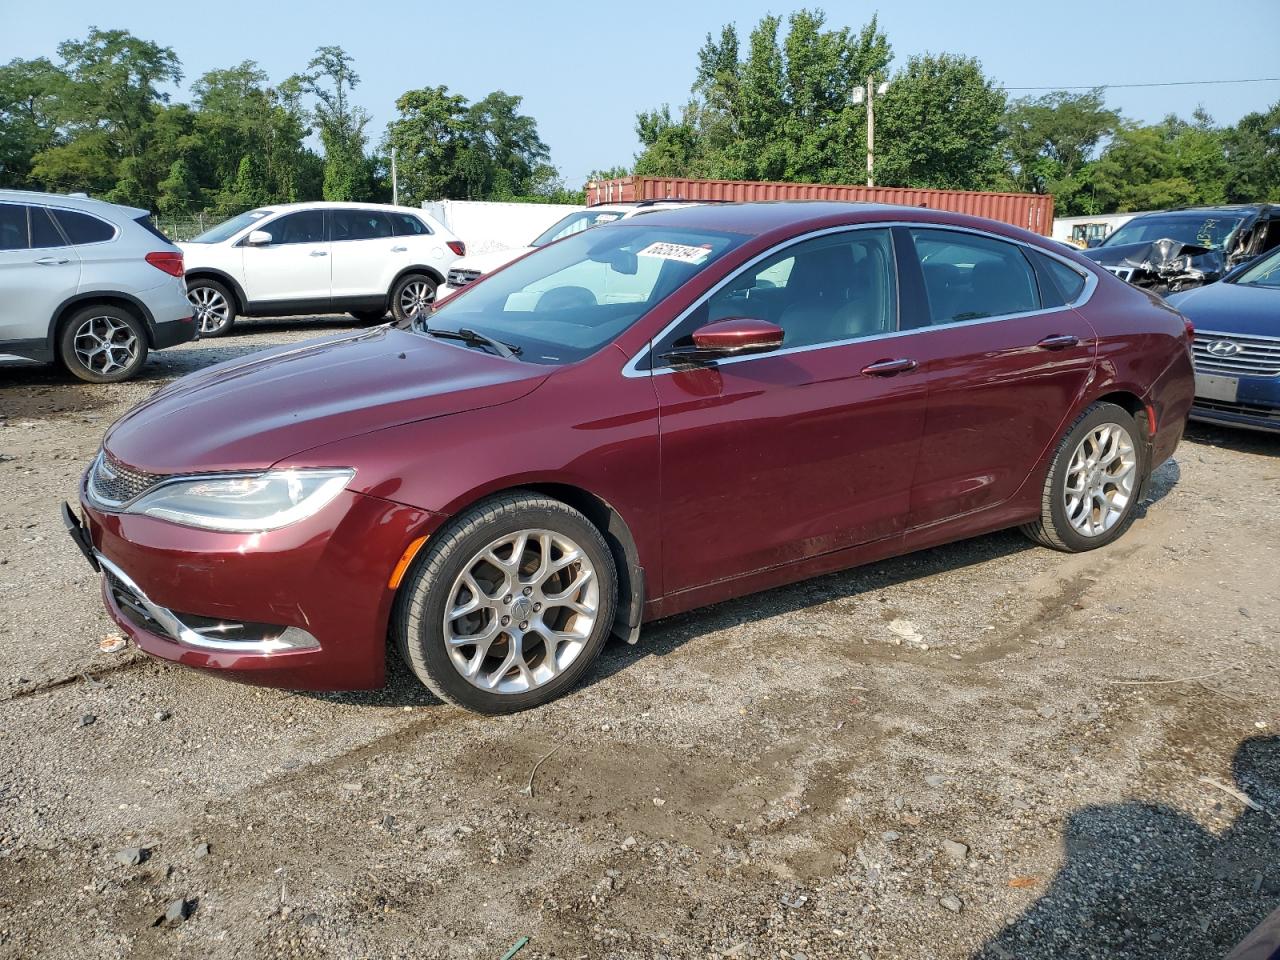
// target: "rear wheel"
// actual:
[[103, 344], [213, 305], [412, 296], [509, 606], [1091, 492]]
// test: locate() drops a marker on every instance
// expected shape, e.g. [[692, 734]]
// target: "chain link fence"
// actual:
[[184, 228]]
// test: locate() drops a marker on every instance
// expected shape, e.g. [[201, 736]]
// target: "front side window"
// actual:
[[360, 225], [13, 226], [824, 290], [305, 226], [971, 277], [81, 228], [229, 228], [563, 303]]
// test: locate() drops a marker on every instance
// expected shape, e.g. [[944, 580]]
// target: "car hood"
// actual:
[[1231, 308], [253, 412], [486, 262]]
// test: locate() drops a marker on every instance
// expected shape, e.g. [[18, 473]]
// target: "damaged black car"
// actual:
[[1179, 249]]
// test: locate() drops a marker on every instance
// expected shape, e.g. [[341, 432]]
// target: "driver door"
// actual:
[[294, 269], [783, 456]]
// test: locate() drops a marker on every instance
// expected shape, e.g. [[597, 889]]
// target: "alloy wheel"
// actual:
[[521, 611], [211, 308], [416, 297], [1100, 479], [105, 344]]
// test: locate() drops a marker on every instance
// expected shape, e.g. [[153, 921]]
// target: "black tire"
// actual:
[[215, 307], [418, 623], [118, 338], [369, 316], [402, 287], [1054, 528]]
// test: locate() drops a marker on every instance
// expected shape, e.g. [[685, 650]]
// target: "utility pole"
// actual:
[[871, 131], [396, 182]]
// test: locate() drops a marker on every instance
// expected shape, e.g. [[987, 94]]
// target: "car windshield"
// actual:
[[576, 223], [566, 301], [1263, 272], [229, 228], [1203, 230]]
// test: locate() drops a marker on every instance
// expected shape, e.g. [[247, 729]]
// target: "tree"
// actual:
[[939, 125], [30, 91], [330, 78], [1051, 138], [1252, 151]]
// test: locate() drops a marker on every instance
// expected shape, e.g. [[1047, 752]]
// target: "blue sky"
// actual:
[[586, 69]]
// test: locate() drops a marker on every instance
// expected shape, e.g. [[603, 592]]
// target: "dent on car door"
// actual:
[[1004, 358], [777, 457]]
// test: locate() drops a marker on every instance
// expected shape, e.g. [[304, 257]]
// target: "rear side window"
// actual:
[[1059, 283], [972, 277], [44, 233], [81, 228], [13, 226], [407, 225], [146, 224], [360, 225]]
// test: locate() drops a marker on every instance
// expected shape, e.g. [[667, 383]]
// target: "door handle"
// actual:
[[1059, 341], [399, 249], [888, 368], [318, 253], [52, 261]]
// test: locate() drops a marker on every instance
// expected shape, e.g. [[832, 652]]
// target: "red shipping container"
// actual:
[[1031, 211]]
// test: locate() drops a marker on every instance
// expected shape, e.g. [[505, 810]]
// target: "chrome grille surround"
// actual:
[[460, 278], [1236, 355], [112, 484]]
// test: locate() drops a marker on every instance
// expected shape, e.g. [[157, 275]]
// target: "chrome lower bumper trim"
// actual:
[[292, 638]]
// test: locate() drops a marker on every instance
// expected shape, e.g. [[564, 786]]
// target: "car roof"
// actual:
[[339, 205], [1221, 208], [71, 202], [800, 216]]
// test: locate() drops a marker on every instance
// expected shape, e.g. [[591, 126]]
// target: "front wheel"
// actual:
[[412, 296], [1090, 495], [213, 306], [509, 606]]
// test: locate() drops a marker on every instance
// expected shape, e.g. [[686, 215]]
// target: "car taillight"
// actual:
[[457, 246], [169, 262]]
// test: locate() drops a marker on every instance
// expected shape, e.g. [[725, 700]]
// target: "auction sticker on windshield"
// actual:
[[676, 251]]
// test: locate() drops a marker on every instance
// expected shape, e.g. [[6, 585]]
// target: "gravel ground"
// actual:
[[936, 756]]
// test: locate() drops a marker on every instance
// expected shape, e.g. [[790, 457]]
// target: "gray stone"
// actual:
[[1046, 711], [955, 850], [202, 851], [177, 911], [889, 836], [162, 715], [88, 720], [132, 856], [936, 780], [952, 903]]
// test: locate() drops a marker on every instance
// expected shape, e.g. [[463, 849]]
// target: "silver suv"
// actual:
[[90, 284]]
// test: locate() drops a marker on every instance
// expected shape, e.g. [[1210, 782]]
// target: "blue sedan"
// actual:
[[1237, 345]]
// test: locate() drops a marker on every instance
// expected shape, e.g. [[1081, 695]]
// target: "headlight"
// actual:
[[245, 503]]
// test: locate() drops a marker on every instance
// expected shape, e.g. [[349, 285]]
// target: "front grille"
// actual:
[[1243, 409], [112, 482], [460, 278], [1236, 355]]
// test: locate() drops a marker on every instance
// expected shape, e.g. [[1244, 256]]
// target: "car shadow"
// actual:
[[1236, 440], [1147, 882]]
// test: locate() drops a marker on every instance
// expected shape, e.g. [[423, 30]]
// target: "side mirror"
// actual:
[[733, 337], [258, 238]]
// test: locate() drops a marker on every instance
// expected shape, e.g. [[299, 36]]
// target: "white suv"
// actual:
[[90, 284], [470, 269], [307, 258]]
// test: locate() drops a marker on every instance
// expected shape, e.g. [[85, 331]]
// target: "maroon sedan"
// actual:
[[640, 419]]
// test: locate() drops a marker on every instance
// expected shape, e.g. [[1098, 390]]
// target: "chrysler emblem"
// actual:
[[1223, 348]]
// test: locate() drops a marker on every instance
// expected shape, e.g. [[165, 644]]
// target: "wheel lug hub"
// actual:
[[506, 621], [528, 591], [524, 624]]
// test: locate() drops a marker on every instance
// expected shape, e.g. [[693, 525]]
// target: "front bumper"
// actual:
[[305, 607], [1255, 404]]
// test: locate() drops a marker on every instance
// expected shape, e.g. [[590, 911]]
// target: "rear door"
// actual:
[[39, 271], [1005, 360], [366, 254], [294, 268]]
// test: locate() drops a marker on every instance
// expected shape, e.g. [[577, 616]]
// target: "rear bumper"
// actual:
[[174, 332], [320, 586]]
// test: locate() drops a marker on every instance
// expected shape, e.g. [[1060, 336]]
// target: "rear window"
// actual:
[[81, 228], [146, 224]]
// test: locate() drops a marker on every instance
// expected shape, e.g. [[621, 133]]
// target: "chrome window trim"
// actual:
[[632, 369], [57, 208]]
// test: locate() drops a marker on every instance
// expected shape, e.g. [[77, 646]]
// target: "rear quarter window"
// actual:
[[146, 224], [407, 225], [1059, 284], [81, 228]]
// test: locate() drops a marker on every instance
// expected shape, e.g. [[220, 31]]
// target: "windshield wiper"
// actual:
[[473, 338]]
